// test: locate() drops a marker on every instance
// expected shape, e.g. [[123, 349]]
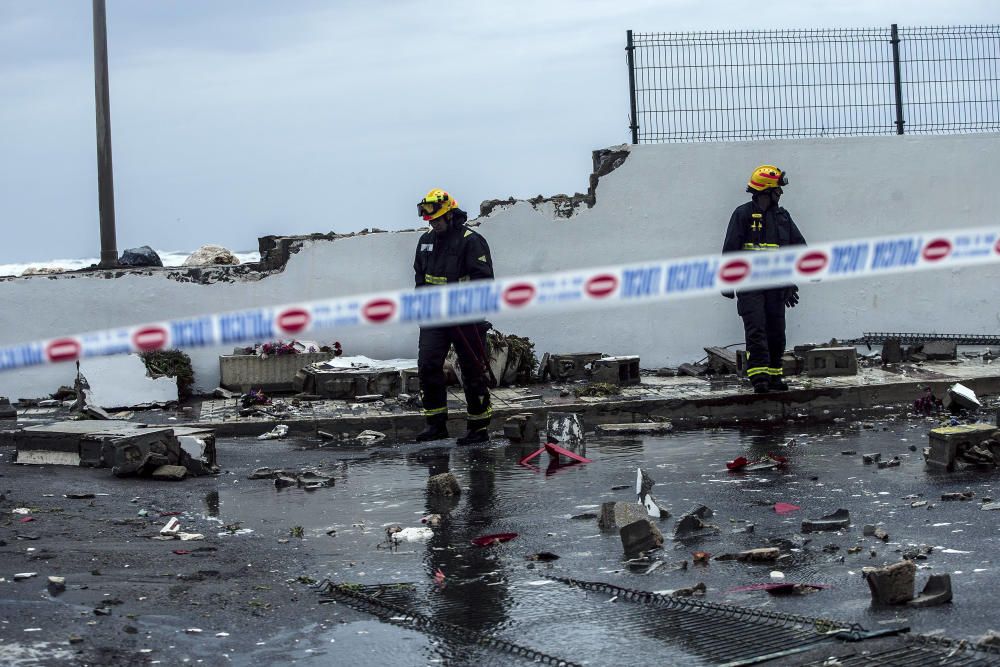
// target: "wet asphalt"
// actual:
[[248, 592]]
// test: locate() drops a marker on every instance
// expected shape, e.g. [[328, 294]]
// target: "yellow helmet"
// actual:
[[435, 203], [766, 177]]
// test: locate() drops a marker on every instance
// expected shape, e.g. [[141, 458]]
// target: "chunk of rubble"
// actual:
[[892, 584], [209, 255], [521, 428], [761, 555], [445, 484], [640, 536], [958, 495], [615, 515], [835, 521], [693, 523], [277, 433], [871, 458], [698, 590], [963, 397], [637, 428], [169, 472], [936, 591]]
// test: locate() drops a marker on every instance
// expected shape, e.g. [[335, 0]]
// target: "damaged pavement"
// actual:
[[602, 487]]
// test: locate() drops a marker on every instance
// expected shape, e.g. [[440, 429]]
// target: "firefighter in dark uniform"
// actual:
[[761, 225], [452, 252]]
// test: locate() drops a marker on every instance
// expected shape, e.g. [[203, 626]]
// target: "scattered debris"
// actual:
[[936, 591], [278, 432], [834, 521], [765, 554], [892, 584], [21, 576], [693, 523], [640, 536], [643, 485], [698, 590], [141, 256], [598, 389], [869, 459], [496, 538], [615, 515], [638, 428]]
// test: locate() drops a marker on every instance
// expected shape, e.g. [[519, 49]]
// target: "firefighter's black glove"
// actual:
[[791, 296], [729, 294]]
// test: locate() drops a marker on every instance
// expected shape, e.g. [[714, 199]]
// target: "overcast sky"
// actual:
[[233, 119]]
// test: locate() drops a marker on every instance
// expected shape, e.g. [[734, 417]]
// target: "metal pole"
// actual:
[[105, 179], [897, 80], [634, 126]]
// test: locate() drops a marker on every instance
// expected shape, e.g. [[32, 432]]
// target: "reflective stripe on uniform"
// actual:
[[757, 370], [483, 415], [761, 246], [776, 371], [435, 280], [429, 412]]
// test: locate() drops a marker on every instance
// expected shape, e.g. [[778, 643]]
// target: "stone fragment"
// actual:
[[445, 484], [958, 495], [141, 256], [169, 472], [894, 462], [615, 515], [881, 534], [940, 350], [693, 523], [696, 590], [868, 530], [892, 352], [892, 584], [635, 428], [871, 458], [936, 591], [963, 397], [521, 428], [209, 255], [641, 535], [263, 473], [325, 435], [835, 521], [283, 479], [991, 638], [7, 411]]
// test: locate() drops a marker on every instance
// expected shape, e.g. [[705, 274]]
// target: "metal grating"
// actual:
[[918, 651]]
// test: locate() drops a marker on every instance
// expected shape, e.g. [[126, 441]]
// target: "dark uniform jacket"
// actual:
[[750, 229], [457, 255]]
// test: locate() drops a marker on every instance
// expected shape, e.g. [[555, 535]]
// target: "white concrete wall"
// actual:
[[665, 201]]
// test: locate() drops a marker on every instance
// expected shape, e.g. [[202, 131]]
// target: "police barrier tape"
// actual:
[[639, 283]]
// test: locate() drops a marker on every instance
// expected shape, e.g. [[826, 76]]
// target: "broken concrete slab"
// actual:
[[892, 584], [835, 521], [616, 515], [962, 397], [693, 523], [521, 428], [946, 441], [126, 447], [7, 411], [638, 428], [122, 381], [639, 536], [936, 591], [721, 361], [576, 366], [892, 352], [169, 472], [938, 350]]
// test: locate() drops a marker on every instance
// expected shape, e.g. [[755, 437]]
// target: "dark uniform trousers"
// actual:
[[470, 346], [763, 313]]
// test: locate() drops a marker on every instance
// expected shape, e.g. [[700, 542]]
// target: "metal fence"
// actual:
[[719, 86]]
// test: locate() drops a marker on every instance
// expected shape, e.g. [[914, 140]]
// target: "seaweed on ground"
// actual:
[[171, 363]]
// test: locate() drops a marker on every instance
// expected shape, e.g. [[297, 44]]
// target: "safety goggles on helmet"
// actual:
[[766, 177], [435, 204]]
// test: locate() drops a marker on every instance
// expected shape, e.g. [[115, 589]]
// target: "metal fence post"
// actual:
[[105, 178], [897, 80], [634, 123]]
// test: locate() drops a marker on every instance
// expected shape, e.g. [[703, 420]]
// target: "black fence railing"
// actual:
[[719, 86]]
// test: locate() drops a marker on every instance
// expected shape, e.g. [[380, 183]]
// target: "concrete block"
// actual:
[[936, 591], [572, 366], [616, 370], [242, 372], [7, 411], [940, 350], [566, 430], [831, 361], [892, 351], [893, 584], [721, 361], [641, 535], [790, 364], [835, 521], [409, 382], [349, 383], [945, 442], [616, 515], [521, 428]]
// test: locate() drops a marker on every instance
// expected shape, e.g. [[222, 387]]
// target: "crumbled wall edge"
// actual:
[[606, 160]]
